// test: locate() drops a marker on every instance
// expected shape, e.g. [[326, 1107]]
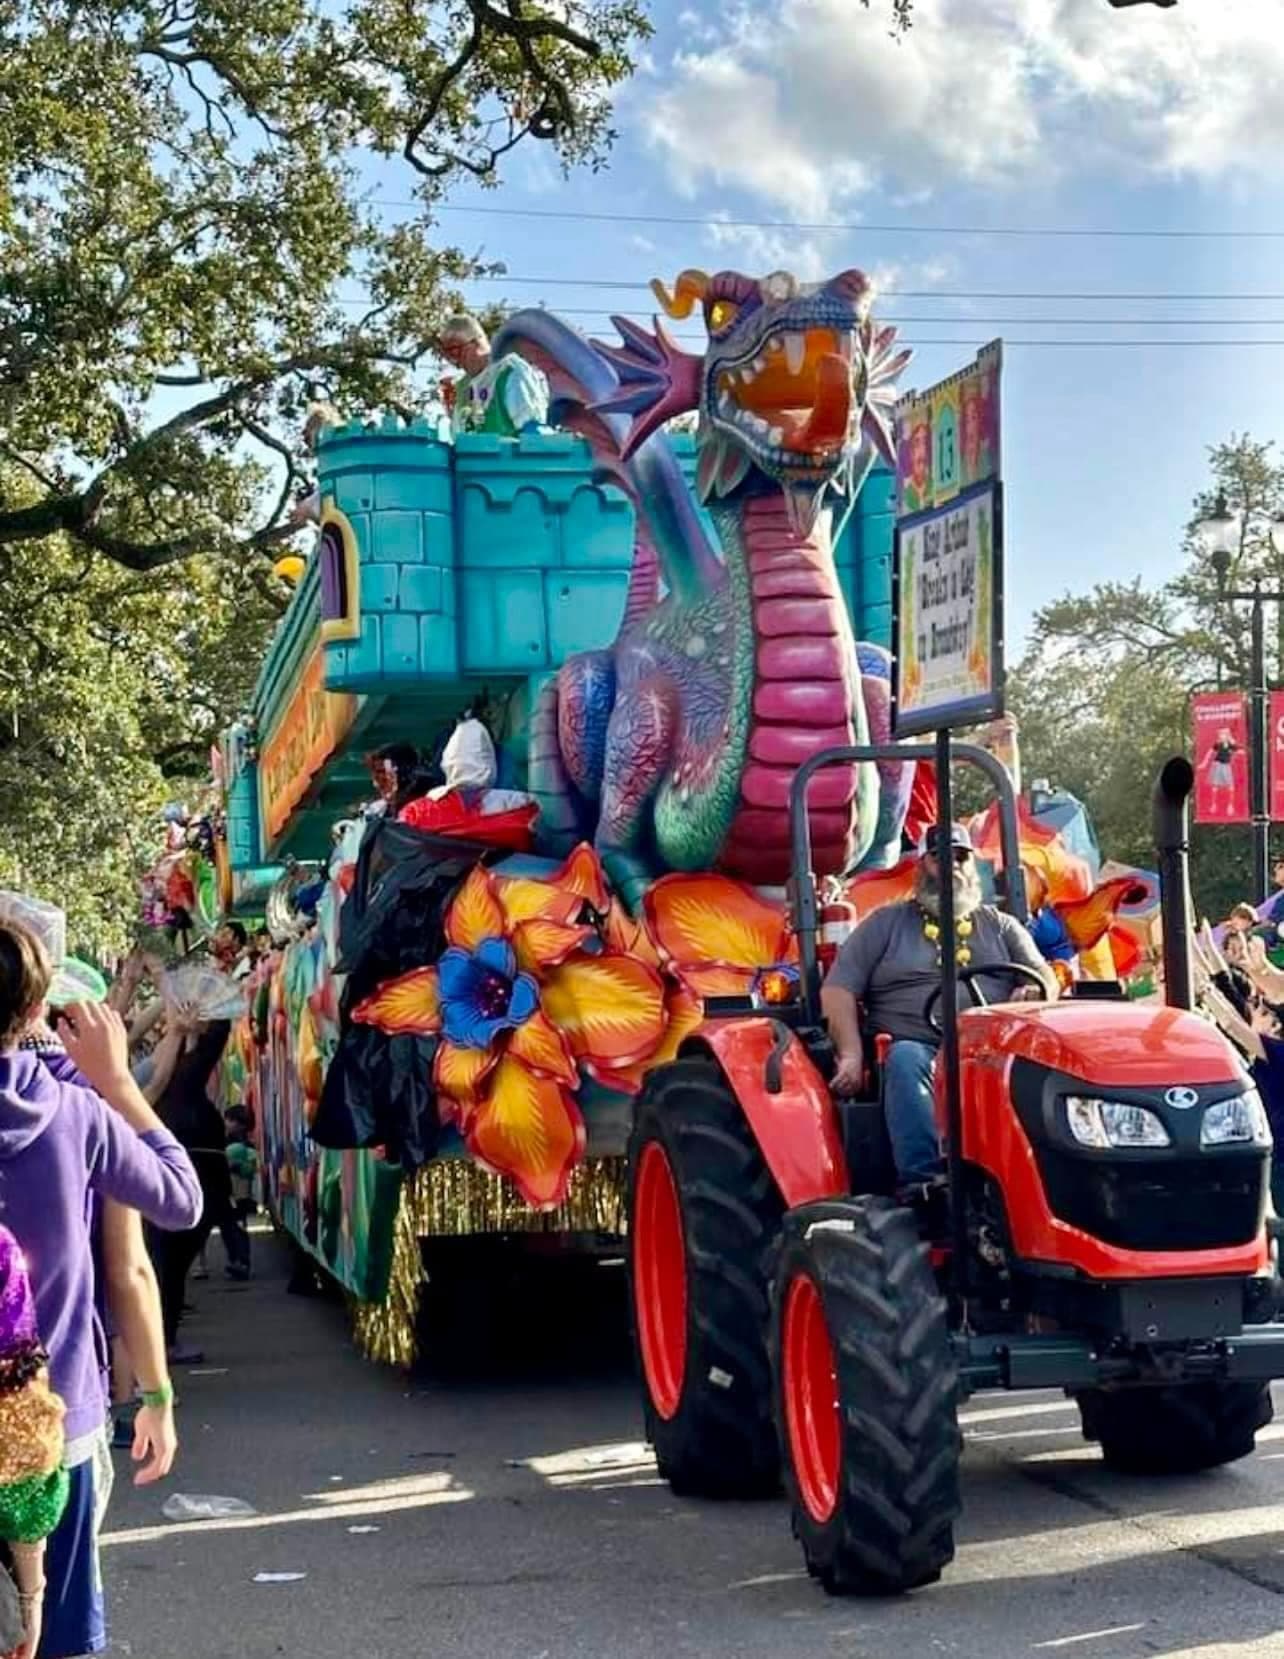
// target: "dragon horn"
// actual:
[[690, 287]]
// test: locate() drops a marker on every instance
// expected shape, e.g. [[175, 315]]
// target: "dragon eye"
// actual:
[[721, 314]]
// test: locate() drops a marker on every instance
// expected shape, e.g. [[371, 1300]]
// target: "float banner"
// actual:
[[309, 731], [1277, 756], [949, 644], [1220, 722], [947, 438]]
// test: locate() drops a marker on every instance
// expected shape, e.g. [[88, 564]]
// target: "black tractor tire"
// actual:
[[1175, 1430], [718, 1438], [882, 1520]]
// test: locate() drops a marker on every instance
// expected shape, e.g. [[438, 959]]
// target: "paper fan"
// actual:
[[211, 995], [76, 981]]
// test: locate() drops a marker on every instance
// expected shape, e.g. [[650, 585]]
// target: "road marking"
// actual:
[[1092, 1636]]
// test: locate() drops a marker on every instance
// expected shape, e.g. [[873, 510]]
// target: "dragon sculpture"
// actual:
[[675, 747]]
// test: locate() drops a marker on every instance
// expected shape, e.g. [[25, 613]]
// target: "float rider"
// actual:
[[506, 397], [885, 975]]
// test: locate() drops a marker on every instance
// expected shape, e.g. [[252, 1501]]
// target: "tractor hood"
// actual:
[[1127, 1045]]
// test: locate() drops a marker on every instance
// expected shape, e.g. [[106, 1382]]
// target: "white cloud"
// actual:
[[761, 250], [809, 103]]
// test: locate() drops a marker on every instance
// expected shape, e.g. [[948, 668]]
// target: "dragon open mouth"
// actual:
[[794, 395]]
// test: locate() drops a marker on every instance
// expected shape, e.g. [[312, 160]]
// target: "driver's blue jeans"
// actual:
[[908, 1108]]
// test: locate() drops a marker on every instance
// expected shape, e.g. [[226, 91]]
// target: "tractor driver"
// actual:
[[889, 967]]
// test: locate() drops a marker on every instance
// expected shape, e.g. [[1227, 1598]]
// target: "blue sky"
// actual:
[[993, 113]]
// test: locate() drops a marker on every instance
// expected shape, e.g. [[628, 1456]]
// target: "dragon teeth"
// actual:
[[795, 352]]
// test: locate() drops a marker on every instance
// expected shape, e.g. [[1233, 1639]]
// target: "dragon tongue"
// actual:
[[826, 427]]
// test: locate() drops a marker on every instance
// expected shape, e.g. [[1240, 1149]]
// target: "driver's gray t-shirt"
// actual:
[[891, 965]]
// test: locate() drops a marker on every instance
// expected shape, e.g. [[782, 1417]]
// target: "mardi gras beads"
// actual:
[[962, 950]]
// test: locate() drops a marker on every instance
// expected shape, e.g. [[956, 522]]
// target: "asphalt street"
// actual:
[[516, 1515]]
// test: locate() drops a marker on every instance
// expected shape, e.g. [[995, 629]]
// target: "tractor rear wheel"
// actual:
[[703, 1213], [1177, 1430], [866, 1397]]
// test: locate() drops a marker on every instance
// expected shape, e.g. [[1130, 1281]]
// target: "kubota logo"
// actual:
[[1181, 1100]]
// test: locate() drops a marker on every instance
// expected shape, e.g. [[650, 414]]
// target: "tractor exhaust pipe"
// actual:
[[1171, 820]]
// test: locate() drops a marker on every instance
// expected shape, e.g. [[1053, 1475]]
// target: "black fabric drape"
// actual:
[[378, 1089]]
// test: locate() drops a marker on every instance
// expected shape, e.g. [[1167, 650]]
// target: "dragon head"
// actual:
[[796, 381]]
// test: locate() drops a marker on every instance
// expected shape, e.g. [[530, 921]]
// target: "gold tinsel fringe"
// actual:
[[454, 1198], [385, 1331]]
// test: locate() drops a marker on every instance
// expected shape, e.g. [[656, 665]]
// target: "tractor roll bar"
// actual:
[[806, 911], [1171, 823]]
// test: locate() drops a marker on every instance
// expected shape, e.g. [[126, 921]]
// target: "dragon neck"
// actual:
[[803, 693]]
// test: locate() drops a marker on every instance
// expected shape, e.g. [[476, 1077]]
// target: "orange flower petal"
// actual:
[[708, 918], [541, 1046], [609, 1008], [526, 900], [530, 1130], [540, 944], [628, 935], [685, 1016], [582, 875], [460, 1072], [408, 1005], [713, 979], [475, 913]]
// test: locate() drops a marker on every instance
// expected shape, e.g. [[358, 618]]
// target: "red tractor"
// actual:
[[1104, 1228]]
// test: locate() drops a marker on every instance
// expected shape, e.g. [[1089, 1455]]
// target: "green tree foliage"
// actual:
[[1103, 693], [190, 252], [113, 686]]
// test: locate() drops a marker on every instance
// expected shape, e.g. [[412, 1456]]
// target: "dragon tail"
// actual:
[[549, 781], [644, 582], [582, 379]]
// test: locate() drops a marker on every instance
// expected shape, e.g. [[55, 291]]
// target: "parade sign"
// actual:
[[1220, 722], [948, 644], [948, 582], [947, 439], [313, 725]]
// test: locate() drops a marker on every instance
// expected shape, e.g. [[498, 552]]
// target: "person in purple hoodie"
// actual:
[[63, 1148]]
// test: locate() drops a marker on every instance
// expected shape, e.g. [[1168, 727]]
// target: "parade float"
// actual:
[[643, 633]]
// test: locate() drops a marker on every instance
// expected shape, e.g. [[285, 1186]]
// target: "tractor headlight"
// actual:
[[1241, 1119], [1103, 1124]]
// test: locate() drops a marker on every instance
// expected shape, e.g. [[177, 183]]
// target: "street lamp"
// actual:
[[1222, 534]]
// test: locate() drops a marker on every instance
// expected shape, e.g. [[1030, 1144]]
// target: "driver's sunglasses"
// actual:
[[962, 856]]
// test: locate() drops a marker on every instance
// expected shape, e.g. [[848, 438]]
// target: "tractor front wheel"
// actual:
[[703, 1213], [1175, 1430], [866, 1397]]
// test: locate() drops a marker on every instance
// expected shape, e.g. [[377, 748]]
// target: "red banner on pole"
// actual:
[[1276, 740], [1220, 720]]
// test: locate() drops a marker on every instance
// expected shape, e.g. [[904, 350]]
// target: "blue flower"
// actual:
[[482, 993]]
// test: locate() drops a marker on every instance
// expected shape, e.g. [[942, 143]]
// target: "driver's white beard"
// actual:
[[968, 896]]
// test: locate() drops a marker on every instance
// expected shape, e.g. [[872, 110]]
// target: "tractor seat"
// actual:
[[864, 1127]]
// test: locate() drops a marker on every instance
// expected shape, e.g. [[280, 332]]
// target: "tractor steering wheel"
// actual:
[[968, 976]]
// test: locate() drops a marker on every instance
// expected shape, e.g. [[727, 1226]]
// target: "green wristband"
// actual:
[[159, 1398]]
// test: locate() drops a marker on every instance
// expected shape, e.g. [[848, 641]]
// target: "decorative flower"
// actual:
[[716, 934], [483, 994], [524, 997]]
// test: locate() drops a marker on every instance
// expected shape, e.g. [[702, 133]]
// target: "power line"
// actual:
[[1017, 322], [988, 322], [862, 227], [639, 286]]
